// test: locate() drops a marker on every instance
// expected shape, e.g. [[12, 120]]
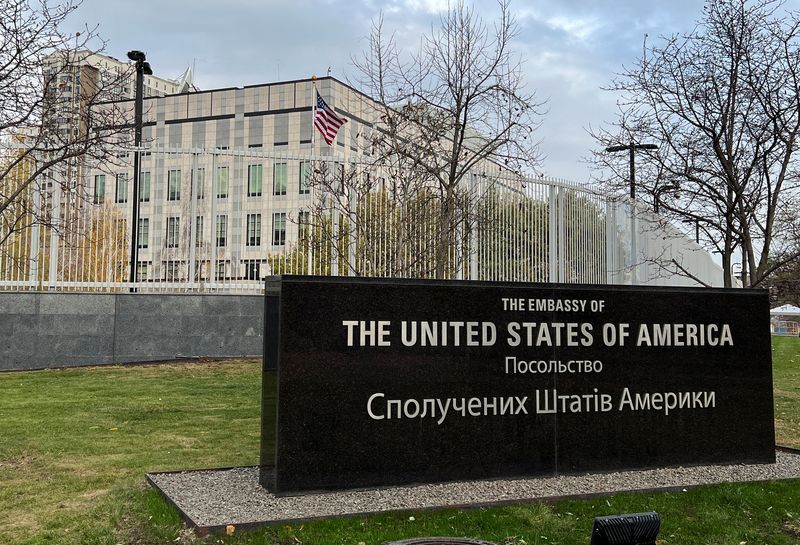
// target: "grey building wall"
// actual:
[[40, 330]]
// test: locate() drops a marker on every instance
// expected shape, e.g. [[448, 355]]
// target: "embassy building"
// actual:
[[226, 197], [225, 176]]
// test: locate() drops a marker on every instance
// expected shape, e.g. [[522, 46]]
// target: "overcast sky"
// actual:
[[571, 48]]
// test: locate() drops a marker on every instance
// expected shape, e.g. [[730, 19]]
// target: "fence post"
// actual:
[[334, 255], [562, 237], [212, 220], [193, 234], [55, 214], [634, 250], [552, 235], [33, 259], [353, 232], [472, 228], [611, 231]]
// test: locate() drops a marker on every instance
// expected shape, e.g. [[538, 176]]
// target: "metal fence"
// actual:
[[221, 220]]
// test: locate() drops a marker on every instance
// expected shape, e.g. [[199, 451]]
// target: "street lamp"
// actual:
[[631, 148], [142, 69]]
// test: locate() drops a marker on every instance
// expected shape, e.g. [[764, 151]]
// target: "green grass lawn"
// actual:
[[75, 444], [786, 377]]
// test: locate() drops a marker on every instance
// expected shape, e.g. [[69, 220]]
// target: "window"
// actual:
[[222, 230], [254, 229], [174, 185], [254, 174], [279, 228], [173, 232], [200, 184], [222, 182], [172, 271], [252, 270], [279, 179], [340, 175], [141, 271], [143, 233], [220, 270], [99, 188], [305, 177], [199, 267], [303, 223], [144, 187], [198, 231], [122, 188]]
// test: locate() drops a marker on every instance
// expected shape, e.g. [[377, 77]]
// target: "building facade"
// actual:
[[226, 197], [225, 175]]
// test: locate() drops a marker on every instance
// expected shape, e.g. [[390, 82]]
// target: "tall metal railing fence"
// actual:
[[221, 220]]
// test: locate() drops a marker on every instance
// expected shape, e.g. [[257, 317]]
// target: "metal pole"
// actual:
[[137, 142], [633, 171], [631, 149]]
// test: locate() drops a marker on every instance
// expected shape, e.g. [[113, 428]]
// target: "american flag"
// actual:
[[327, 121]]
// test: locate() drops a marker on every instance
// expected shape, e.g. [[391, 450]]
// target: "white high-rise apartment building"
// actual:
[[77, 75]]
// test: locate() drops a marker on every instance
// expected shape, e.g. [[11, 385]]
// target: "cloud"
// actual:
[[575, 28], [428, 6], [571, 49]]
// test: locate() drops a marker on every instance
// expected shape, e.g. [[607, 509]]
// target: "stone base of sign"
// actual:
[[216, 500]]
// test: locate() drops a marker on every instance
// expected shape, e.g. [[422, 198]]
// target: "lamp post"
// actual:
[[631, 148], [142, 69]]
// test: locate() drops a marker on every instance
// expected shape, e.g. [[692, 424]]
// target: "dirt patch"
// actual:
[[91, 494], [17, 463], [18, 523], [792, 528], [82, 500]]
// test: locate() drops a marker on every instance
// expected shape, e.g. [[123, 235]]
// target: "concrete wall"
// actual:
[[39, 330]]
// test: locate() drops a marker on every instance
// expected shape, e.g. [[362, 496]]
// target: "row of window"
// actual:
[[178, 270], [253, 232], [254, 183]]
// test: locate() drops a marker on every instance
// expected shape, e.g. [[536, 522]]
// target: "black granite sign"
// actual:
[[388, 382]]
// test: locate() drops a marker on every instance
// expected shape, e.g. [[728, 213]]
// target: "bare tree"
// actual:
[[784, 284], [371, 222], [455, 107], [723, 104], [49, 123], [783, 278]]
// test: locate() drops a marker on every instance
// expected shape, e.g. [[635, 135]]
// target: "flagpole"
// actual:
[[310, 257], [313, 112]]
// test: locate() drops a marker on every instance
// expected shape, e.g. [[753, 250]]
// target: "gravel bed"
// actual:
[[233, 496]]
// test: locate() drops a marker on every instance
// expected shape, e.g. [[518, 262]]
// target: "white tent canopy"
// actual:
[[785, 310]]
